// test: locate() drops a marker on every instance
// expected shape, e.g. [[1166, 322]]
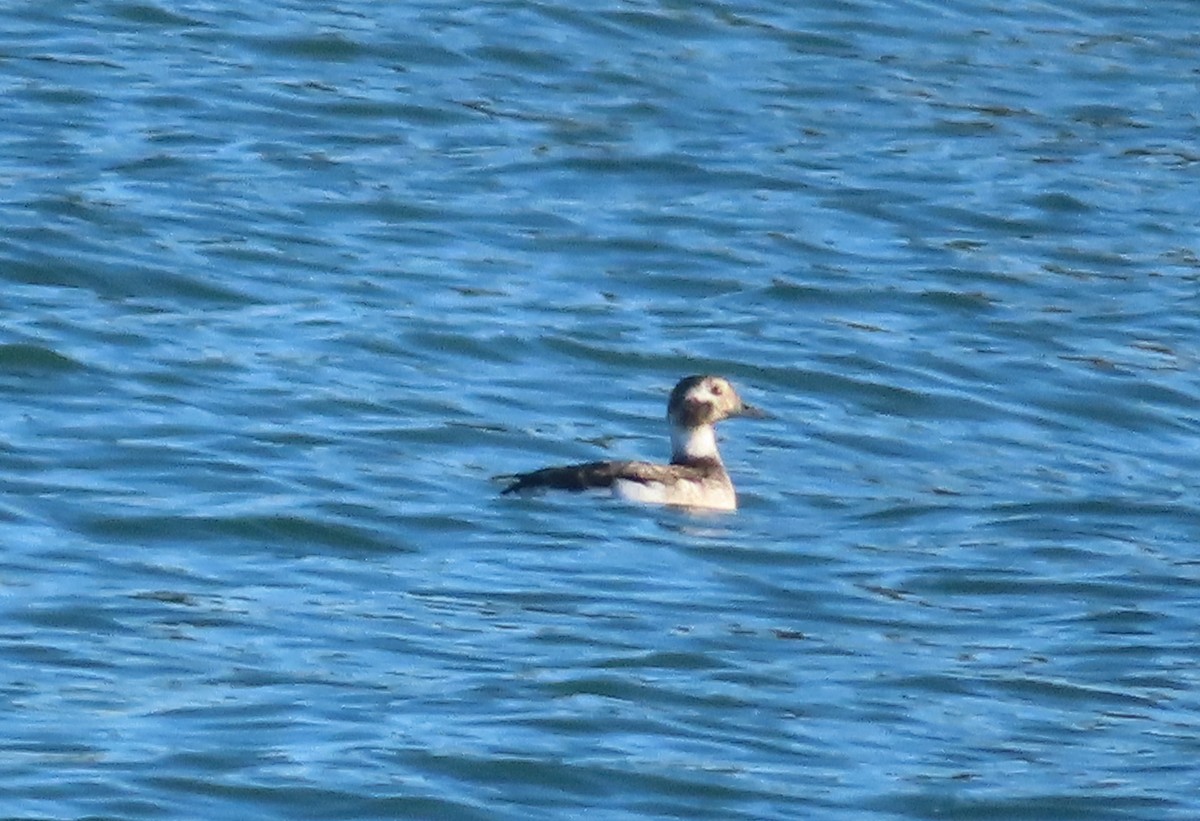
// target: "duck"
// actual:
[[695, 477]]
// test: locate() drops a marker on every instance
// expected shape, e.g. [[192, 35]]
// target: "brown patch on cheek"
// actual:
[[696, 413]]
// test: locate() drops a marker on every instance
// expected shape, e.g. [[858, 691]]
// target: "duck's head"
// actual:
[[705, 400]]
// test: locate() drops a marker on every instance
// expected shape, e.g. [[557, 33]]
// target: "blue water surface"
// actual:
[[284, 287]]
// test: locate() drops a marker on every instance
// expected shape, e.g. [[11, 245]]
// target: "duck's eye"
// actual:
[[717, 389]]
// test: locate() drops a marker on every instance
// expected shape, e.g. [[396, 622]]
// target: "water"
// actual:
[[283, 289]]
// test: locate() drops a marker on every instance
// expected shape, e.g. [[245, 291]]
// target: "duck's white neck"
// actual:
[[693, 443]]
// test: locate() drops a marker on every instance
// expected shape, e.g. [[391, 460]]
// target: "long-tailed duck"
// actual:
[[696, 476]]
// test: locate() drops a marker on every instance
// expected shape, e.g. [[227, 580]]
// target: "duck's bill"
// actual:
[[753, 412]]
